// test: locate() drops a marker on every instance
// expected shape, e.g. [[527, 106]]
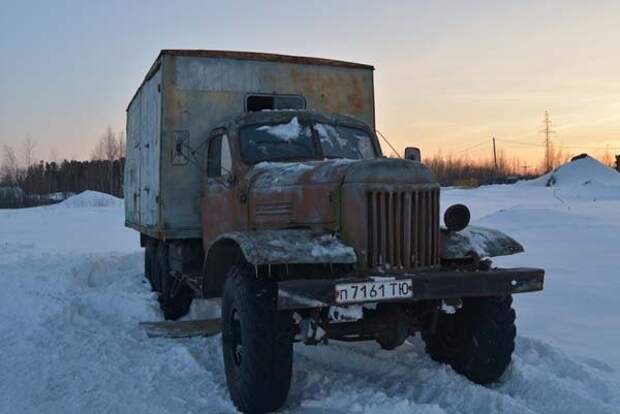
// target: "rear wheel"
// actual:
[[175, 297], [150, 255], [477, 341], [257, 342]]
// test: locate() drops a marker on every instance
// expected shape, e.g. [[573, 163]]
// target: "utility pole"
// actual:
[[525, 167], [547, 131], [495, 155]]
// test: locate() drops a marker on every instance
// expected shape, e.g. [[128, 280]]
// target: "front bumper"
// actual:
[[442, 284]]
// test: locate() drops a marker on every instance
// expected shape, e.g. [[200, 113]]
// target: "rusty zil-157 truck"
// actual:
[[258, 178]]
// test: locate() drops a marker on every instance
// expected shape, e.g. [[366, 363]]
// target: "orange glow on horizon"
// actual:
[[449, 75]]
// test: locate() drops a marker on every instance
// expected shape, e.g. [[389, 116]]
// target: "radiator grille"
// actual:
[[403, 229]]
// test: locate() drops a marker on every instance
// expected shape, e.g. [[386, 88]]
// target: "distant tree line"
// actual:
[[463, 171], [25, 183], [73, 177]]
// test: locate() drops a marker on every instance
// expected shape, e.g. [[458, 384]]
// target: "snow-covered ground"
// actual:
[[72, 293]]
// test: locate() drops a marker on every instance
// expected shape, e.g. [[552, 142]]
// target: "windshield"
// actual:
[[344, 142], [276, 142], [295, 140]]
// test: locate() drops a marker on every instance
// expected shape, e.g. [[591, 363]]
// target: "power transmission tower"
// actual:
[[548, 131]]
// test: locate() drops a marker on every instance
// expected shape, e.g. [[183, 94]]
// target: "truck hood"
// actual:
[[285, 195], [337, 171]]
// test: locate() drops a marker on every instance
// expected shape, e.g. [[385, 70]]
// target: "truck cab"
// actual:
[[278, 169]]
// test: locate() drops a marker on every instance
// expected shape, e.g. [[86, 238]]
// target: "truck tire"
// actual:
[[257, 342], [477, 341], [175, 297]]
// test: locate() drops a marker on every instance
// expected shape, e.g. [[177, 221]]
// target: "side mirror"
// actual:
[[413, 154]]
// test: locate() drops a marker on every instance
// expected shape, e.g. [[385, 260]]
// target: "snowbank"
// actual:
[[582, 171], [73, 293], [582, 179], [91, 199]]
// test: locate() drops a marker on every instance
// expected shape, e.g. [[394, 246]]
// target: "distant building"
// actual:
[[618, 162]]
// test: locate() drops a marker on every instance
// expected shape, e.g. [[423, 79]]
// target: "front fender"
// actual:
[[290, 246], [485, 242]]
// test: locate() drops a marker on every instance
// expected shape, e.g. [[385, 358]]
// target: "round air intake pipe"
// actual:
[[456, 217]]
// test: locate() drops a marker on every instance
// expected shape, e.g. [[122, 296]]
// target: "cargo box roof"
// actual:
[[258, 56], [269, 57]]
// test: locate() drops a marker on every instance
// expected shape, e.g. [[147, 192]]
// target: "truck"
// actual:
[[259, 179]]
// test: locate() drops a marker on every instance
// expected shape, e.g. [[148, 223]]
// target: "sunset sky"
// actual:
[[449, 75]]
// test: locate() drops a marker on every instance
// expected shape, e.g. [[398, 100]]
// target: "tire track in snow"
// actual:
[[540, 379], [405, 374], [77, 347]]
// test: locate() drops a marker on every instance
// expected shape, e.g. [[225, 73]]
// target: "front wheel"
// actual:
[[477, 341], [257, 342]]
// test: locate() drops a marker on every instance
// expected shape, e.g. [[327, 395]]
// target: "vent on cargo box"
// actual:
[[259, 102], [180, 145]]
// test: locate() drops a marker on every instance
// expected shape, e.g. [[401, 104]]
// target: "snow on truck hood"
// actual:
[[332, 171]]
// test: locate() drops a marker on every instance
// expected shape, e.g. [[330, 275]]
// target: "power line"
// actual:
[[527, 144], [461, 147], [486, 141], [538, 145]]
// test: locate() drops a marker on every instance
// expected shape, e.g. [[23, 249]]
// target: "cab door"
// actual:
[[221, 211]]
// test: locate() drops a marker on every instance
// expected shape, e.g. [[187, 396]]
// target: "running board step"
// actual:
[[182, 329]]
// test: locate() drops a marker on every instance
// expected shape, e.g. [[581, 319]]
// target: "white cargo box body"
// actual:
[[187, 93]]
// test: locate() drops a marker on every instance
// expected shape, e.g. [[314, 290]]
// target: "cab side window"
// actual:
[[219, 160]]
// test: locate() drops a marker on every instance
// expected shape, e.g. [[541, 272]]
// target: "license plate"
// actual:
[[370, 291]]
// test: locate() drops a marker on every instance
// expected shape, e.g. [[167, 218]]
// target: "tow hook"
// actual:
[[450, 306], [310, 332]]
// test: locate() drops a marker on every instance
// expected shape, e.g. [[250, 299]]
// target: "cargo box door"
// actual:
[[149, 152], [131, 179]]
